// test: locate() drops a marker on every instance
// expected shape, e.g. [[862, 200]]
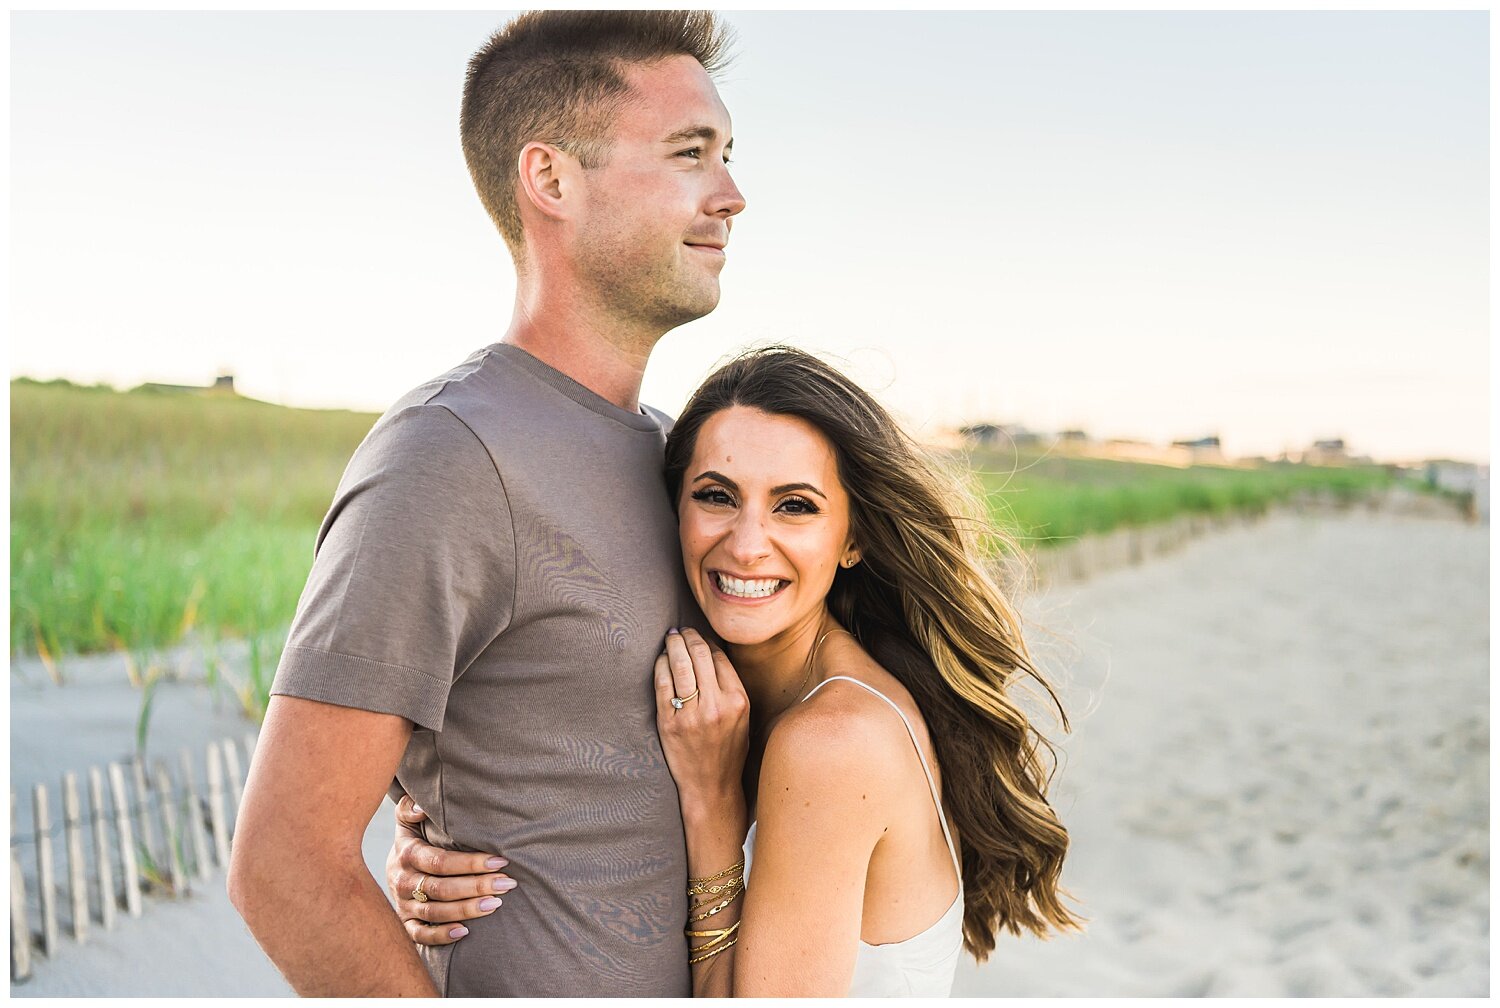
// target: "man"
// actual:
[[499, 567]]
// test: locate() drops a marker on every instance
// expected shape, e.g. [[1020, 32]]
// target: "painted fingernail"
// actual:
[[672, 630], [417, 808], [489, 903], [503, 884], [458, 932], [496, 862]]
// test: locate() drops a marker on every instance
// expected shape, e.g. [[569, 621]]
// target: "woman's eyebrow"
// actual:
[[790, 487], [717, 477]]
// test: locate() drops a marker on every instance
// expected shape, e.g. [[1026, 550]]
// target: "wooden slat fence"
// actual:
[[148, 831]]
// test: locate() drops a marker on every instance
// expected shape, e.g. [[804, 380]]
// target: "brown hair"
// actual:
[[924, 606], [554, 76]]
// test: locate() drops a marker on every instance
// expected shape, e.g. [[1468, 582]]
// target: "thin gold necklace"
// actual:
[[811, 657]]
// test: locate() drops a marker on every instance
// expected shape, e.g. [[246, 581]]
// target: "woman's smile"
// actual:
[[746, 589]]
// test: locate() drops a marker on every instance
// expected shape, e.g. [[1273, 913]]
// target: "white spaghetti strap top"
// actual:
[[922, 965]]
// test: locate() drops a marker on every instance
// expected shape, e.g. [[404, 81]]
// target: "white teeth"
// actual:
[[753, 588]]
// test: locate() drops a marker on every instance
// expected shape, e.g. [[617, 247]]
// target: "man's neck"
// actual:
[[604, 355]]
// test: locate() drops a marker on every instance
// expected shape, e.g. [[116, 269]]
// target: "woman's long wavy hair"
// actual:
[[922, 603]]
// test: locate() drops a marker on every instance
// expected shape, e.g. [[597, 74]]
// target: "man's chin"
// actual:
[[692, 308]]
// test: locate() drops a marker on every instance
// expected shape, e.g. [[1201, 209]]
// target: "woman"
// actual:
[[854, 743]]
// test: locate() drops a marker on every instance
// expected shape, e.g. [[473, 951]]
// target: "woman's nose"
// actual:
[[748, 541]]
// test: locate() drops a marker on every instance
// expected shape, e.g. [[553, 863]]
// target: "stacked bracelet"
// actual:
[[719, 940], [717, 892], [696, 886]]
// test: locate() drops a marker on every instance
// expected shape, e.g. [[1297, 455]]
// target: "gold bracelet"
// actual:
[[713, 904], [715, 933], [714, 890], [731, 870], [716, 937], [709, 955], [712, 946], [727, 891], [709, 913]]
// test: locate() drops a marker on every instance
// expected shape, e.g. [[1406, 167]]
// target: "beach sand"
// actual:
[[1277, 782], [1278, 778]]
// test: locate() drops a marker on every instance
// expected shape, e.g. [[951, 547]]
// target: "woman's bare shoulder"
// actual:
[[841, 734]]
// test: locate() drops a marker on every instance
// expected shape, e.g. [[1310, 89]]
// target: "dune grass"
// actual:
[[138, 517], [1055, 498]]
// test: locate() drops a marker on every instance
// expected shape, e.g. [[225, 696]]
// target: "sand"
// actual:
[[1280, 783], [1277, 783]]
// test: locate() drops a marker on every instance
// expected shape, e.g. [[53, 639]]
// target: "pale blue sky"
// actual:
[[1273, 226]]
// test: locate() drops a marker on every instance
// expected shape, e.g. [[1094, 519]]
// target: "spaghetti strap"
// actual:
[[911, 733]]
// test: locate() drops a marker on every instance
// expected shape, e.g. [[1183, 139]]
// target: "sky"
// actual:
[[1272, 227]]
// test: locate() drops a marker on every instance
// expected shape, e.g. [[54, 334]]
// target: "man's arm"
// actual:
[[298, 875]]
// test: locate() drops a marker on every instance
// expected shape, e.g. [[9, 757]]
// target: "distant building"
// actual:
[[1204, 449], [1464, 478], [1327, 452], [223, 385]]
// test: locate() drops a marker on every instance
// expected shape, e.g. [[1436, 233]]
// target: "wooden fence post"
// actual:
[[128, 867], [100, 812], [192, 814], [78, 892], [46, 881], [145, 827], [20, 929], [216, 805], [167, 801], [236, 778]]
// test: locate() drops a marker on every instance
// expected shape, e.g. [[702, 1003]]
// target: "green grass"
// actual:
[[1051, 499], [138, 516]]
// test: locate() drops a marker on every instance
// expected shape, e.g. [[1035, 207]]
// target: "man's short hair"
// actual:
[[555, 76]]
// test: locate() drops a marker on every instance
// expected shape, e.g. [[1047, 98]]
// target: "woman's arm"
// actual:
[[823, 804], [705, 740], [821, 809]]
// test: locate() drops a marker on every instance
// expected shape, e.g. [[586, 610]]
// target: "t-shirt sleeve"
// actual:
[[414, 573]]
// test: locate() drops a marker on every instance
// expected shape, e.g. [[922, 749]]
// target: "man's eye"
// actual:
[[713, 495], [695, 153]]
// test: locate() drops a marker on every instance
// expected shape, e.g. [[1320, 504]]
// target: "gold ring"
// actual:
[[417, 893], [678, 701]]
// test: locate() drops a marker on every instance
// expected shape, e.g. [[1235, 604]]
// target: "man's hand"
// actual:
[[459, 886]]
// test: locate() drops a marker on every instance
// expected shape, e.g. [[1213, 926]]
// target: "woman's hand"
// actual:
[[706, 734], [459, 886]]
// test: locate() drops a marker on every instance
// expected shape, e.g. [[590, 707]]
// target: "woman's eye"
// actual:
[[798, 506], [713, 495]]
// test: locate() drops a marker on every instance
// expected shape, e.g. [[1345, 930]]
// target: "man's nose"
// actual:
[[728, 201]]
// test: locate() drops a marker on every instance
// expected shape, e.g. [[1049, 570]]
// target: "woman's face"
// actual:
[[764, 523]]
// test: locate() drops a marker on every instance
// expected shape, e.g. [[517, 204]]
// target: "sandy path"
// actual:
[[1281, 786]]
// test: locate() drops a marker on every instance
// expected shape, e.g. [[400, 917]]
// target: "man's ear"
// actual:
[[550, 178]]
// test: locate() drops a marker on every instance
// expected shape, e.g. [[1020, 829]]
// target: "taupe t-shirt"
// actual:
[[500, 565]]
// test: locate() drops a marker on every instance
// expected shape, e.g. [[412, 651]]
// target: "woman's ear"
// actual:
[[550, 179], [851, 556]]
